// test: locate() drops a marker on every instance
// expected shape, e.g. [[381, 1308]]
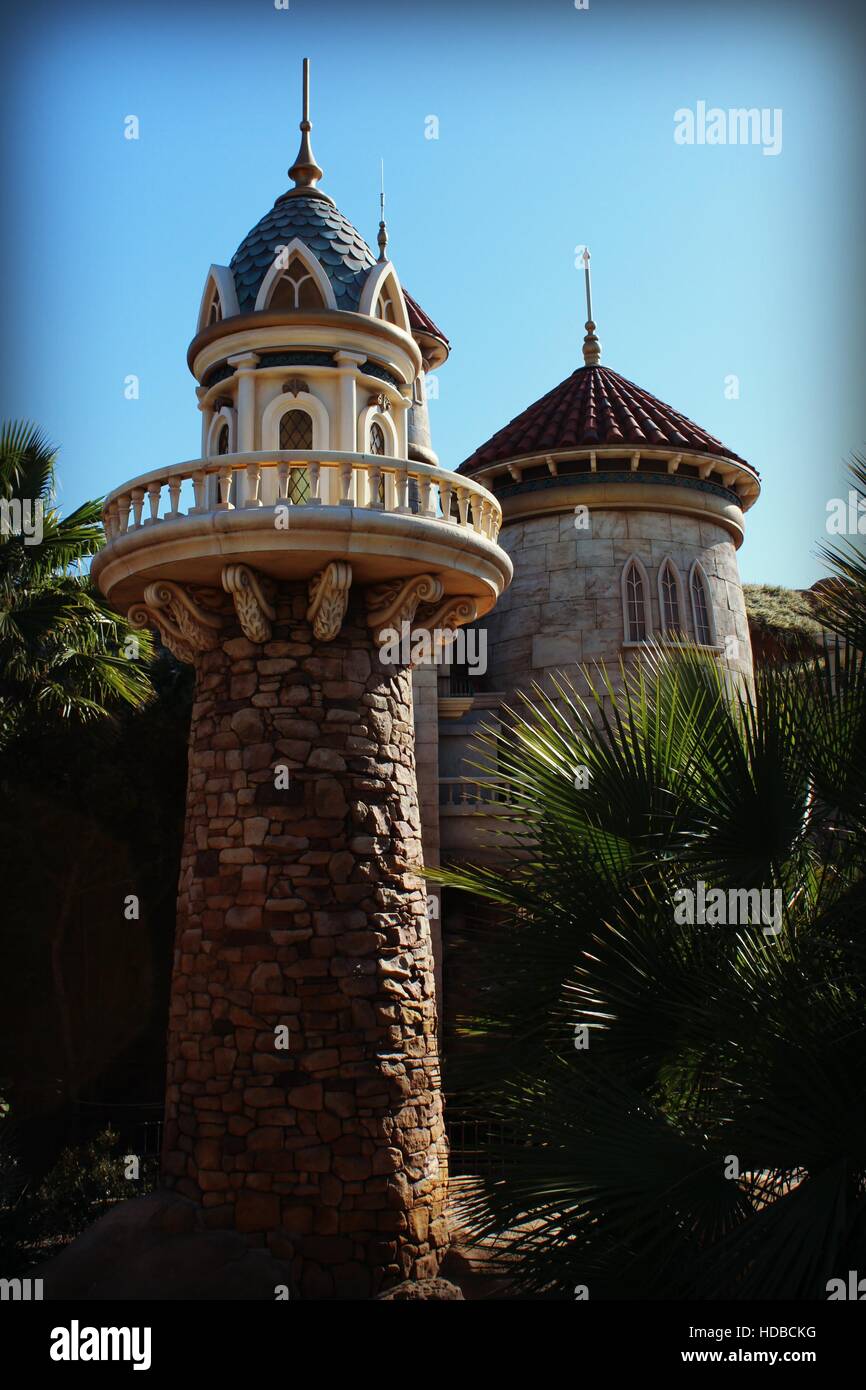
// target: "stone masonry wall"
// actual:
[[564, 606], [301, 906]]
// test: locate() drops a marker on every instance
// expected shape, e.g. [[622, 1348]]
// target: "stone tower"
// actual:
[[622, 519], [303, 1099]]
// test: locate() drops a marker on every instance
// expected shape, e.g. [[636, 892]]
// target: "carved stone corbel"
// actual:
[[329, 599], [255, 612], [395, 602], [185, 624], [455, 612], [441, 623]]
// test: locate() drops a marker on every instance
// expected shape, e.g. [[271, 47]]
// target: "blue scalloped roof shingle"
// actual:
[[343, 254]]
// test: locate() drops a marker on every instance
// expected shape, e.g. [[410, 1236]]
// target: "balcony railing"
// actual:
[[471, 794], [332, 479]]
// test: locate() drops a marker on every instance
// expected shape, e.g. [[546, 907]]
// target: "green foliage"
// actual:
[[782, 619], [61, 647], [844, 602], [706, 1044], [82, 1185]]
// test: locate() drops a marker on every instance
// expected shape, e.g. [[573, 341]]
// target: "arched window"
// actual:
[[702, 612], [385, 306], [377, 446], [635, 602], [296, 289], [219, 298], [669, 600], [223, 439], [296, 432]]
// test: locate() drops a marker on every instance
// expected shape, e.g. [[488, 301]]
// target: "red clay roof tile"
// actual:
[[595, 406]]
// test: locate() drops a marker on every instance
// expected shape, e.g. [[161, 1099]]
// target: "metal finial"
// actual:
[[591, 345], [305, 172], [383, 230]]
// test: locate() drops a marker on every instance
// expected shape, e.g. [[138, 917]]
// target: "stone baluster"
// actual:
[[137, 506], [154, 492], [174, 488], [375, 479], [445, 500], [426, 490], [282, 482], [225, 485], [315, 498], [401, 483], [254, 480], [345, 484], [199, 484]]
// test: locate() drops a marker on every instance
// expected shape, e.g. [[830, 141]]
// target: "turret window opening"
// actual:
[[296, 433], [701, 608], [385, 308], [669, 593], [296, 289], [636, 619], [377, 447]]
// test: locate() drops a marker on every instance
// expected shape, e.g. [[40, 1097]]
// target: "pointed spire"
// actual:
[[591, 345], [305, 172], [382, 238]]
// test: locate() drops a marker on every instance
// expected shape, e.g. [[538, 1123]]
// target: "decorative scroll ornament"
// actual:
[[435, 628], [185, 624], [295, 386], [395, 602], [255, 612], [453, 613], [329, 598]]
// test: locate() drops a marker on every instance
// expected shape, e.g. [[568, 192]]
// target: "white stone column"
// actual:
[[245, 364], [347, 414], [401, 421], [206, 417]]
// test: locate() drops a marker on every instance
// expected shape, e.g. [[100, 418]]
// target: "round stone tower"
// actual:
[[303, 1101], [622, 519]]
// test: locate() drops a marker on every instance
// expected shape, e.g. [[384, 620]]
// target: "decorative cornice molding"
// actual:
[[255, 612], [186, 625], [395, 602], [329, 599]]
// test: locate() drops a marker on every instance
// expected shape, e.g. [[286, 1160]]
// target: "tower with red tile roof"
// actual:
[[622, 518]]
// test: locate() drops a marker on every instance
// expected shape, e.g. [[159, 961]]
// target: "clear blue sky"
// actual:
[[556, 129]]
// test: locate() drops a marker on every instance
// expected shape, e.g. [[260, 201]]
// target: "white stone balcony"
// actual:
[[289, 514]]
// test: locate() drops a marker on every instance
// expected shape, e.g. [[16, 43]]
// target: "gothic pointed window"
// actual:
[[296, 433], [296, 288], [215, 312], [634, 595], [701, 612], [377, 446], [669, 596], [385, 307]]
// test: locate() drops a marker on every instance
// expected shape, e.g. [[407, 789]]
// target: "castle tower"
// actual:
[[303, 1101], [622, 519]]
